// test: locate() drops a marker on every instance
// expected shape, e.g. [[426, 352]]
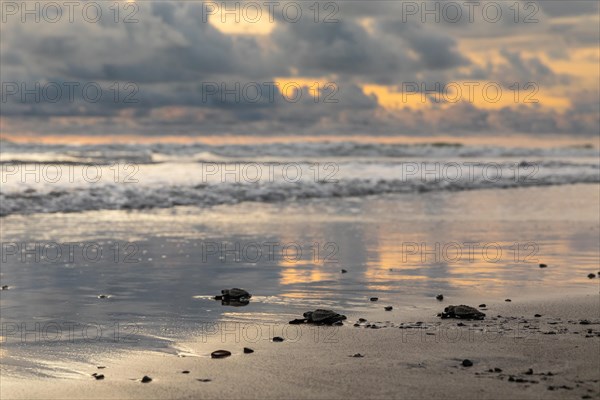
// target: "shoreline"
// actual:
[[317, 363]]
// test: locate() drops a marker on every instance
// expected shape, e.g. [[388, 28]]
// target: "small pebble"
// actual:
[[482, 306], [248, 350], [374, 298], [344, 271], [591, 276], [543, 266], [357, 355], [497, 369], [98, 376], [508, 300], [103, 296], [362, 320], [203, 380], [146, 379], [529, 372], [467, 363], [278, 339], [185, 372], [584, 322], [220, 354], [388, 308], [440, 297], [537, 315], [101, 367], [5, 287]]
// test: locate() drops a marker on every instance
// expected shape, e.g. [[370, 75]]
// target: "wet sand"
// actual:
[[166, 298], [398, 362]]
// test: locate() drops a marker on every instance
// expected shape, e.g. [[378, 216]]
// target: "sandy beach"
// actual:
[[361, 199], [514, 355], [158, 317]]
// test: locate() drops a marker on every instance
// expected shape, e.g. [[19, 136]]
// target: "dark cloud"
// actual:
[[173, 56]]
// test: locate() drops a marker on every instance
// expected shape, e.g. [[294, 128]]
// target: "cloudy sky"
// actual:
[[345, 67]]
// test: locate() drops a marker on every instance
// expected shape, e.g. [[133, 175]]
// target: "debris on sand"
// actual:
[[146, 379], [220, 354], [440, 297], [467, 363]]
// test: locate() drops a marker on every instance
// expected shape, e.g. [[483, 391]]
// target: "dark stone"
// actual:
[[440, 297], [5, 287], [467, 363], [537, 315], [357, 355], [497, 369], [508, 300], [462, 312], [278, 339], [185, 372], [344, 271], [388, 308], [374, 298], [103, 296], [248, 350], [146, 379], [584, 322], [543, 266], [220, 354], [529, 372], [482, 306], [98, 376], [203, 380], [101, 367], [591, 276], [511, 378], [362, 320]]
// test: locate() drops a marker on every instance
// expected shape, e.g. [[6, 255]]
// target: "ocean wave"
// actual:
[[194, 152], [137, 197]]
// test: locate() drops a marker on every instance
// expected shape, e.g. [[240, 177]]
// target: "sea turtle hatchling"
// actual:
[[320, 317], [235, 293], [462, 312], [234, 297]]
